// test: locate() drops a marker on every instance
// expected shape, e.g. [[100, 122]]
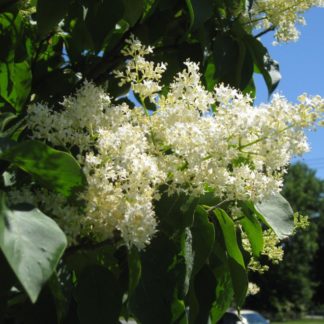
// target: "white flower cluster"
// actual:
[[143, 75], [283, 15], [238, 151], [253, 289]]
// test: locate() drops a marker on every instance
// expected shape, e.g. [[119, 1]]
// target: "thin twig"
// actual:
[[210, 209], [271, 28]]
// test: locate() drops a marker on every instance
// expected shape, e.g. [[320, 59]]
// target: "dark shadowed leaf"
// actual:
[[133, 10], [98, 296], [201, 10], [264, 63], [134, 264], [204, 290], [155, 299], [101, 18], [203, 236], [175, 212], [50, 13]]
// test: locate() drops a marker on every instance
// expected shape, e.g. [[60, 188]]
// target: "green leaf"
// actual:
[[10, 23], [81, 259], [56, 84], [226, 57], [7, 275], [234, 255], [250, 89], [175, 59], [191, 14], [253, 230], [32, 244], [265, 64], [204, 293], [15, 84], [6, 144], [15, 57], [155, 299], [50, 57], [224, 293], [203, 236], [134, 265], [176, 212], [98, 296], [278, 214], [5, 119], [202, 10], [133, 10], [50, 13], [188, 261], [56, 170], [101, 19], [210, 74]]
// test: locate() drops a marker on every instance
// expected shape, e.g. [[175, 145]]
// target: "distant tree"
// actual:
[[291, 287]]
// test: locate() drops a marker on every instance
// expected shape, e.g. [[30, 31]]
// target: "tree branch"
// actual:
[[271, 28]]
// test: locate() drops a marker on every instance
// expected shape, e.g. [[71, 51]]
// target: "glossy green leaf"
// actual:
[[278, 214], [253, 230], [56, 170], [234, 255], [32, 244], [50, 13], [98, 296], [203, 236]]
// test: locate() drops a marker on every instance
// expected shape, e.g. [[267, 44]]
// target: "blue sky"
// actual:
[[302, 69]]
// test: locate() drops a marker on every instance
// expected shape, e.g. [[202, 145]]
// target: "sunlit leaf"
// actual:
[[32, 244]]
